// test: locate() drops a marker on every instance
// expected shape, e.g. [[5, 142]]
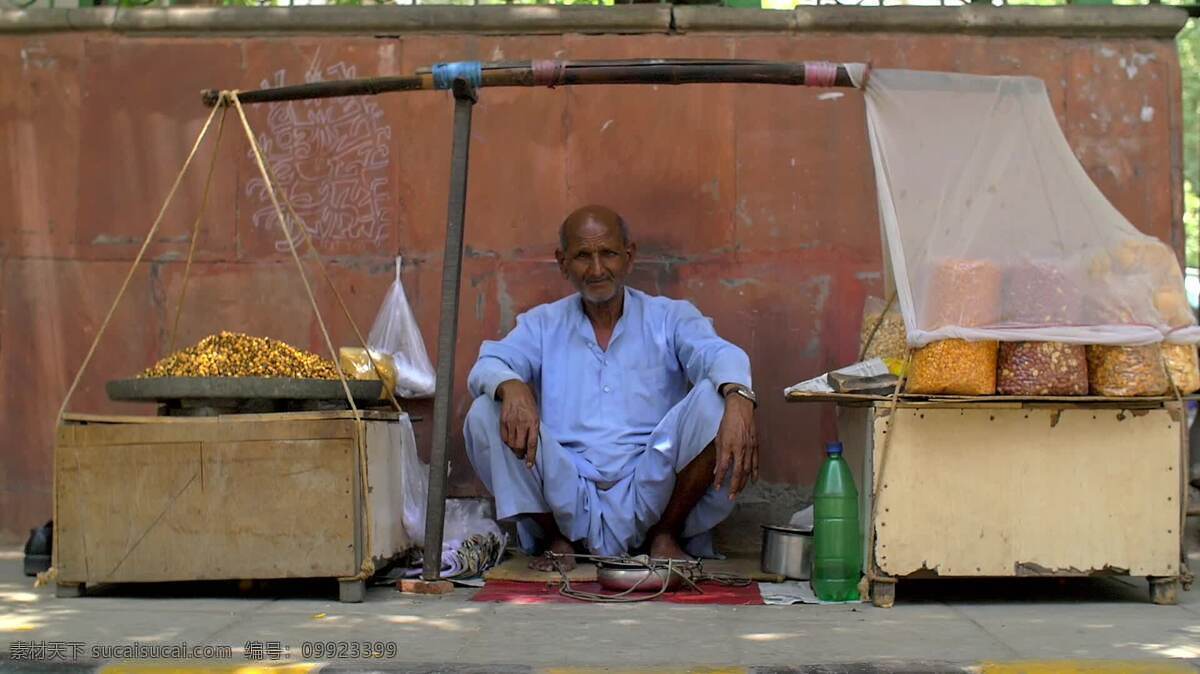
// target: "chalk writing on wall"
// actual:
[[331, 158]]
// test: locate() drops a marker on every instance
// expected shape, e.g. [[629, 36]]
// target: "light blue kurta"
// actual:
[[616, 425]]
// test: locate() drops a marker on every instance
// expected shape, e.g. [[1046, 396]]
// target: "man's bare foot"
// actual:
[[664, 546], [560, 546]]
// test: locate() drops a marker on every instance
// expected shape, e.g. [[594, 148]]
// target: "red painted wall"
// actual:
[[756, 203]]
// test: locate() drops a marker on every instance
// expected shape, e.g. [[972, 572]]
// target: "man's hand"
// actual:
[[737, 445], [519, 420]]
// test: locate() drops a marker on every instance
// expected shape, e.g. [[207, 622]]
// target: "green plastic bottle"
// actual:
[[837, 541]]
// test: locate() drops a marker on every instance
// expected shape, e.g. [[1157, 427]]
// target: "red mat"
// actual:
[[514, 592]]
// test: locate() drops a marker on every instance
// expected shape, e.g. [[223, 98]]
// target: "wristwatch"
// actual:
[[743, 391]]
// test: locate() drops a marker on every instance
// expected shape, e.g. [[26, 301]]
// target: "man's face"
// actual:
[[596, 260]]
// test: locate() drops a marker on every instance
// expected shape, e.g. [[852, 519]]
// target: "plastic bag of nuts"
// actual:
[[890, 338], [966, 293], [1041, 293], [954, 367], [1041, 369], [1183, 366], [1126, 371]]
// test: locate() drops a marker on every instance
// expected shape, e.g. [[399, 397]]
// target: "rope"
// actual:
[[820, 73], [548, 73], [444, 74], [367, 568], [62, 410], [187, 269], [877, 479]]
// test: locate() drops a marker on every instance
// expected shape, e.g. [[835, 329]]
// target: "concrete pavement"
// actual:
[[935, 626]]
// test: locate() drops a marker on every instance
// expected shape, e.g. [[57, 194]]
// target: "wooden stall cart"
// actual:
[[995, 488], [243, 496]]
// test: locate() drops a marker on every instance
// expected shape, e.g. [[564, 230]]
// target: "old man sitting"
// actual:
[[611, 420]]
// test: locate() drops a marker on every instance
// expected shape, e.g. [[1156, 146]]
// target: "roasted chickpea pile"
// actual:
[[233, 354]]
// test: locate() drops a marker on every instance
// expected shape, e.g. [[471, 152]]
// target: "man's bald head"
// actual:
[[595, 253], [601, 215]]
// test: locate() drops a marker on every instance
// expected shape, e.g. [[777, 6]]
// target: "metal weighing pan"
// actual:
[[645, 577]]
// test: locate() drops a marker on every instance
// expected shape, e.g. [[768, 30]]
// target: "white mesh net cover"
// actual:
[[994, 230]]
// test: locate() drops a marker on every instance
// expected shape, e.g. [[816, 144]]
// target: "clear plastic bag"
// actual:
[[882, 334], [415, 496], [1122, 371], [977, 183], [963, 292], [1041, 293], [357, 364], [472, 541], [1042, 369], [396, 333], [954, 367], [1183, 366]]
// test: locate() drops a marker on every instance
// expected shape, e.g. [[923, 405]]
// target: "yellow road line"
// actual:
[[1086, 667]]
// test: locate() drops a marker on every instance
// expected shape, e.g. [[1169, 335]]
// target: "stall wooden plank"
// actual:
[[99, 435], [910, 400], [387, 477], [380, 415], [203, 510], [994, 492]]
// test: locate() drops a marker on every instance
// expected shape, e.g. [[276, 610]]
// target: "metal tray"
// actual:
[[152, 389]]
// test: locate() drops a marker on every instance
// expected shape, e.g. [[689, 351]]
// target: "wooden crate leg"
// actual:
[[69, 590], [883, 592], [352, 591], [1164, 590]]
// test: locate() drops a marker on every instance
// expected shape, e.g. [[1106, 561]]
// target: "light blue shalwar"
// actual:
[[616, 425]]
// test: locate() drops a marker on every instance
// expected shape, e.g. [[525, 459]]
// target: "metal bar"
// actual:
[[465, 97], [508, 74]]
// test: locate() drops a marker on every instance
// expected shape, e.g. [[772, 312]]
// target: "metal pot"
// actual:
[[787, 551]]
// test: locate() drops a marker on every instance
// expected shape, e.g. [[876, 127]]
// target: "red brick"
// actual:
[[335, 158], [1111, 85], [40, 126], [516, 189], [24, 507], [266, 299], [418, 586], [49, 313], [138, 131], [423, 153], [804, 171], [797, 314], [662, 156]]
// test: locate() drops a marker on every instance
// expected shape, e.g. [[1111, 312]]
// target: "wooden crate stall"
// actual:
[[251, 496]]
